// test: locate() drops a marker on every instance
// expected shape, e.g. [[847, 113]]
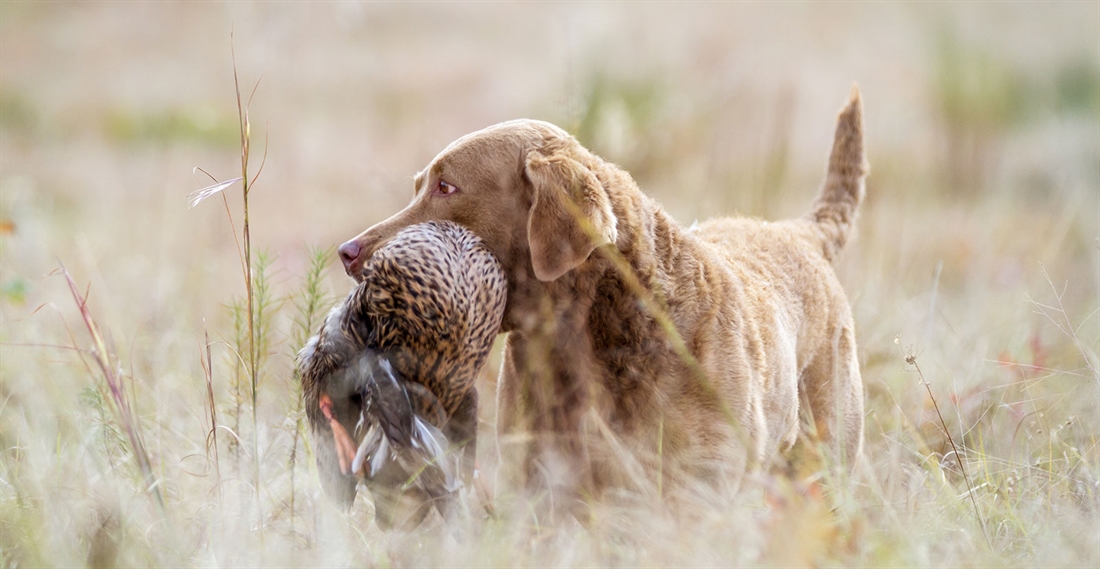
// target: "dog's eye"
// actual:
[[445, 189]]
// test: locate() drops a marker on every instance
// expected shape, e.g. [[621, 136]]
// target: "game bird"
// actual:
[[388, 380]]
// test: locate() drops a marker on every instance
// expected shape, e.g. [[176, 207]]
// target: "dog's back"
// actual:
[[792, 292]]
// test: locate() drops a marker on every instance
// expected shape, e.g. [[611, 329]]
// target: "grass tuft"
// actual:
[[121, 406]]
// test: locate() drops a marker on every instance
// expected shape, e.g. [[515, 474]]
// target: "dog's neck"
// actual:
[[603, 308]]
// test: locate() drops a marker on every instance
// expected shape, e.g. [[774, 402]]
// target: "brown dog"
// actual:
[[637, 348]]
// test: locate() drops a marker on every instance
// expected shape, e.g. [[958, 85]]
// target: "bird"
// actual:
[[388, 380]]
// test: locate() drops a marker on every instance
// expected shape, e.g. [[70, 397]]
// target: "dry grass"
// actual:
[[977, 258]]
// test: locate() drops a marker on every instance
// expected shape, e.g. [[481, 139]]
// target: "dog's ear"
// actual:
[[570, 214]]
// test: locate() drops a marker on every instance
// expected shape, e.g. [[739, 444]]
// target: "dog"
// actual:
[[638, 349]]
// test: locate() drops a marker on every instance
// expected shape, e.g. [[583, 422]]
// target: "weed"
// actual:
[[309, 307], [121, 407], [912, 360], [254, 314]]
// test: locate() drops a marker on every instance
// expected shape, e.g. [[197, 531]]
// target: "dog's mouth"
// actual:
[[361, 274], [359, 269], [356, 257]]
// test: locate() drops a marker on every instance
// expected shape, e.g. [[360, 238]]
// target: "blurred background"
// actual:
[[977, 248]]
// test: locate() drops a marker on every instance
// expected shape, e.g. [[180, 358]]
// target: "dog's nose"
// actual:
[[349, 253]]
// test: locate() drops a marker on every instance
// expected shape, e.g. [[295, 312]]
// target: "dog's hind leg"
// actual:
[[831, 392]]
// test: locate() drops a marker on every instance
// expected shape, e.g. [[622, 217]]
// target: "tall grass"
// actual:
[[120, 399], [253, 318]]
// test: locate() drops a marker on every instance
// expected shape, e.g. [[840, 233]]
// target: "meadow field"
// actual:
[[157, 441]]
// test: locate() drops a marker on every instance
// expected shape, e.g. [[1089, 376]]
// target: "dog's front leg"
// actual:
[[544, 393]]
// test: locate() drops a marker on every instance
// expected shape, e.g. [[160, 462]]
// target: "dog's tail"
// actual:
[[834, 210]]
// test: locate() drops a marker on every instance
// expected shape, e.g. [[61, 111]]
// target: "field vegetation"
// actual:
[[148, 410]]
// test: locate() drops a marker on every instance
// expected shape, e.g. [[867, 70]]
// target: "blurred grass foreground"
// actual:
[[135, 430]]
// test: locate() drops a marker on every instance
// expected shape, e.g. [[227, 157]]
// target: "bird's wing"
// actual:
[[387, 400]]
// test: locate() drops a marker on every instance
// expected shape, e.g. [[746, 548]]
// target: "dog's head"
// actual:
[[527, 188]]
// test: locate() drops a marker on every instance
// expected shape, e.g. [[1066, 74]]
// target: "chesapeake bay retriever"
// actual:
[[640, 349]]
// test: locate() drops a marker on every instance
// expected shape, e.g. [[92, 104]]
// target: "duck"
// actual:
[[388, 381]]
